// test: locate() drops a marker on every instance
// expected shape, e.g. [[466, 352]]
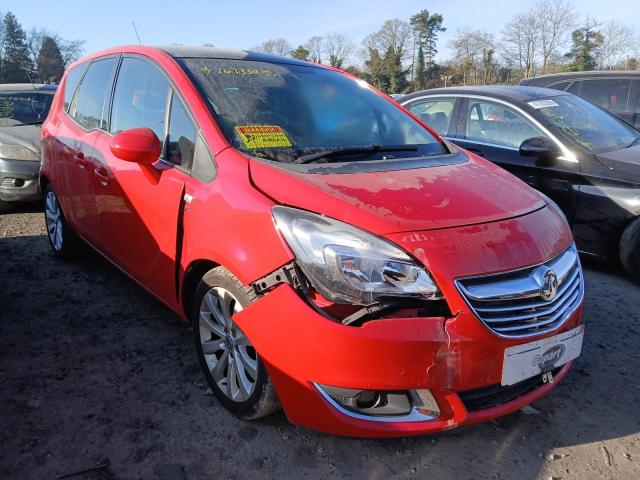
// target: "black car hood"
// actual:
[[624, 164], [26, 135]]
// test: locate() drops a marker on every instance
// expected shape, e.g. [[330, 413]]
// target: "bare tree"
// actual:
[[474, 55], [556, 21], [71, 50], [34, 41], [338, 48], [618, 40], [314, 45], [520, 39], [395, 36], [274, 46]]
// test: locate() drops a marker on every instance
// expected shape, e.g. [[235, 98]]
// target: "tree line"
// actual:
[[37, 55], [550, 37]]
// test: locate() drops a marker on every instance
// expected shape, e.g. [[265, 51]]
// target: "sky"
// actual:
[[244, 24]]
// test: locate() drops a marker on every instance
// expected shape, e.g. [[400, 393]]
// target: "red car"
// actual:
[[335, 255]]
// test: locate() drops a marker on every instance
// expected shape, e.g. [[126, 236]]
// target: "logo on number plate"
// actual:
[[547, 282], [547, 360]]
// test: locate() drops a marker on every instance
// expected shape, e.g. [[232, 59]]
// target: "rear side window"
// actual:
[[182, 135], [140, 98], [611, 94], [435, 113], [88, 106], [71, 83], [574, 87], [560, 85]]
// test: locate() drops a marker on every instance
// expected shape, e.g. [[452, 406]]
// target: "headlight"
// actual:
[[17, 152], [348, 265]]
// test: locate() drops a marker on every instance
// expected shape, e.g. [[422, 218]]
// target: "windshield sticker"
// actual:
[[543, 103], [238, 71], [263, 136]]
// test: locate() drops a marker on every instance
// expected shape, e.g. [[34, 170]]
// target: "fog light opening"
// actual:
[[368, 399], [18, 182]]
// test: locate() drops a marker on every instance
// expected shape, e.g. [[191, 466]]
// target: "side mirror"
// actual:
[[138, 145], [540, 147]]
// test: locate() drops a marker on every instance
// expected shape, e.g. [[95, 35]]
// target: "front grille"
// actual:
[[514, 304], [487, 397]]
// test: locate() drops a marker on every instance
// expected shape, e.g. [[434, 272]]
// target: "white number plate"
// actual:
[[531, 359]]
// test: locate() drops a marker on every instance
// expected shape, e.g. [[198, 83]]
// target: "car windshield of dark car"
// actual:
[[585, 124], [285, 111], [23, 108]]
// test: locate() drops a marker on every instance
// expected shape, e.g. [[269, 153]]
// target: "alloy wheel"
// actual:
[[230, 357], [53, 220]]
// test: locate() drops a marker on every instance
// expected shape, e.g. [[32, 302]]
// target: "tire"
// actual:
[[630, 250], [63, 241], [4, 206], [229, 354]]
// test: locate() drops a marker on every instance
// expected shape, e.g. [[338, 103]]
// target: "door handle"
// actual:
[[102, 175], [80, 160]]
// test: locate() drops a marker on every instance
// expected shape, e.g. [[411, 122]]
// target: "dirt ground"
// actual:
[[96, 373]]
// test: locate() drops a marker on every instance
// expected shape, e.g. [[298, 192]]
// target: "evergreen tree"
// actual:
[[377, 75], [586, 41], [300, 53], [392, 63], [421, 71], [16, 65], [426, 28], [50, 61]]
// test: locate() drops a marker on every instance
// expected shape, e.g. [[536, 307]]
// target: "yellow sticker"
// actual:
[[263, 136]]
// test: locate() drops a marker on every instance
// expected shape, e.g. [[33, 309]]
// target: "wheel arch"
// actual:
[[43, 181], [192, 276]]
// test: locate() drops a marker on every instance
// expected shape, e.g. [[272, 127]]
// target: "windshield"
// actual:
[[20, 108], [283, 112], [585, 124]]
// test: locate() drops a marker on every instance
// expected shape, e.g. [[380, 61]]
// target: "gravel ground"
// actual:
[[95, 374]]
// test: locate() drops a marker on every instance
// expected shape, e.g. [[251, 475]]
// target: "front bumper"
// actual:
[[19, 180], [301, 348], [448, 356]]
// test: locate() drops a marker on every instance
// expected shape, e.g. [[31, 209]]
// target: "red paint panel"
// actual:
[[406, 200]]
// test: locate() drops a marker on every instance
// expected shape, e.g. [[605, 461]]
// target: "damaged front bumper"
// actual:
[[302, 350]]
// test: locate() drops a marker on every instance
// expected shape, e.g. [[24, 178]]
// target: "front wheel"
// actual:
[[63, 241], [234, 372], [630, 250]]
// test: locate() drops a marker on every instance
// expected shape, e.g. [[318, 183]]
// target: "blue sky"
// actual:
[[244, 24]]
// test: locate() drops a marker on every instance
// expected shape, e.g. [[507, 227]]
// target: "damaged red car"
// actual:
[[337, 257]]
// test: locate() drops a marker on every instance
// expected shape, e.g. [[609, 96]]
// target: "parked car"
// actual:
[[584, 158], [334, 255], [617, 92], [23, 108]]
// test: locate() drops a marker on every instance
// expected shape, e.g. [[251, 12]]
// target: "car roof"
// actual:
[[557, 77], [504, 92], [23, 87], [185, 51]]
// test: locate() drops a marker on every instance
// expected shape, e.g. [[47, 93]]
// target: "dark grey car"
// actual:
[[23, 108], [617, 92]]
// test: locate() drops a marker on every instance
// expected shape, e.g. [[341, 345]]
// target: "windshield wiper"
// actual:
[[365, 150]]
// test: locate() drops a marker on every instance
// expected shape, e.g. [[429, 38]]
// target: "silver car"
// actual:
[[23, 108]]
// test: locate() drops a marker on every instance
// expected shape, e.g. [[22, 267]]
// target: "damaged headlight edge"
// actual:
[[347, 265]]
